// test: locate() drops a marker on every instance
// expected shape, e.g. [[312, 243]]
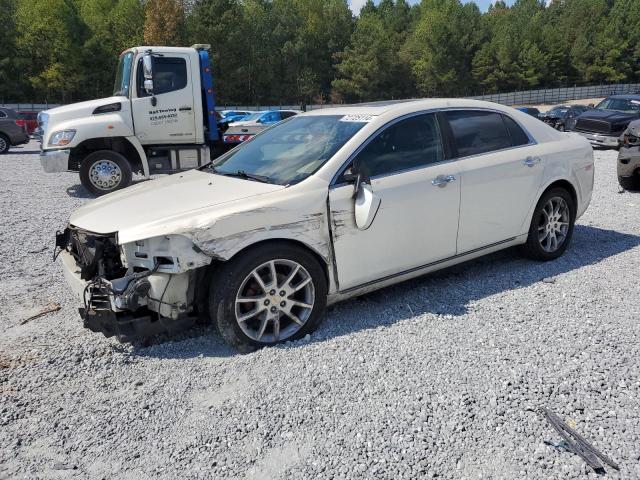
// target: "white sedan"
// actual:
[[324, 206]]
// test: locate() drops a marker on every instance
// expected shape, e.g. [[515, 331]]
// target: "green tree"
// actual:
[[441, 48], [9, 82], [49, 42]]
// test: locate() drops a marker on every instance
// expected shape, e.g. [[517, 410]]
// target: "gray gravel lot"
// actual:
[[438, 377]]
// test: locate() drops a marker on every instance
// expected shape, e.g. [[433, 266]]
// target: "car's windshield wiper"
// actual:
[[242, 174]]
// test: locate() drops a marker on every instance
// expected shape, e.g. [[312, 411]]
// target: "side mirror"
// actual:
[[366, 207], [147, 69]]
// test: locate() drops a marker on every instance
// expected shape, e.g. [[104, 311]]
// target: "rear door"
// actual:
[[171, 120], [501, 172]]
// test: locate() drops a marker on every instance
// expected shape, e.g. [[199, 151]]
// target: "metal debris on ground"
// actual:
[[52, 307], [578, 444]]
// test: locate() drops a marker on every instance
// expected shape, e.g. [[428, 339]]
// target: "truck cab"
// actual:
[[160, 119]]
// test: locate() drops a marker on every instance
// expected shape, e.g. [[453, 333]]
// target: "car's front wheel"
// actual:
[[630, 183], [551, 226], [270, 294]]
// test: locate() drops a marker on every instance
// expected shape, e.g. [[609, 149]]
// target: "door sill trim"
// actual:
[[422, 267]]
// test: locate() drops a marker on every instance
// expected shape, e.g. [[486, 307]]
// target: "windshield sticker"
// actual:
[[357, 118]]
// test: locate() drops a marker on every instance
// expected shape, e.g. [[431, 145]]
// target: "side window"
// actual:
[[410, 143], [169, 75], [476, 132], [287, 114], [518, 136], [3, 114]]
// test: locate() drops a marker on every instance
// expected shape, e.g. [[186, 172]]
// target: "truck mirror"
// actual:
[[147, 68]]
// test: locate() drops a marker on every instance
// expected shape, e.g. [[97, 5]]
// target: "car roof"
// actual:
[[625, 97], [406, 106]]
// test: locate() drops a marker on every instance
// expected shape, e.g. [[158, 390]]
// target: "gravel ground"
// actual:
[[437, 377]]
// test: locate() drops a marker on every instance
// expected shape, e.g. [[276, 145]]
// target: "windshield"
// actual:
[[289, 152], [560, 111], [620, 105], [123, 75]]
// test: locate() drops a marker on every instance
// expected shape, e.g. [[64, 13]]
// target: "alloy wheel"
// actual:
[[105, 175], [3, 144], [274, 301], [553, 227]]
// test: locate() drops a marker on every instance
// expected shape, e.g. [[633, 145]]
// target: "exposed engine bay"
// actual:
[[134, 290]]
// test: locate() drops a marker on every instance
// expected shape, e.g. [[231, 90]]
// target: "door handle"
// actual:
[[184, 109], [531, 161], [443, 180]]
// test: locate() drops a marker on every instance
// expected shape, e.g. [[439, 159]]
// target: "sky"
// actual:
[[356, 5]]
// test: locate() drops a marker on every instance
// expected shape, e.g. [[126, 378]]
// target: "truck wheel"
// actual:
[[268, 295], [630, 183], [105, 171], [5, 144]]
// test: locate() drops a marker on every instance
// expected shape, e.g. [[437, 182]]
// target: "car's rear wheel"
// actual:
[[271, 294], [105, 171], [5, 144], [551, 226], [630, 183]]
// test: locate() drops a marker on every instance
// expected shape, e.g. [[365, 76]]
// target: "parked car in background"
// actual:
[[231, 116], [13, 129], [255, 123], [31, 120], [604, 124], [321, 207], [629, 157], [534, 112], [563, 117]]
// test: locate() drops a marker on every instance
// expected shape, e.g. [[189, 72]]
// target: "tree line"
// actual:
[[317, 51]]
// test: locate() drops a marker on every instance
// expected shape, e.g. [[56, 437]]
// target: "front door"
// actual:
[[171, 120], [501, 172], [416, 222]]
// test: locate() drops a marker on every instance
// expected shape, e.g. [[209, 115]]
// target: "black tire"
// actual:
[[5, 144], [561, 127], [630, 183], [122, 180], [230, 277], [533, 248]]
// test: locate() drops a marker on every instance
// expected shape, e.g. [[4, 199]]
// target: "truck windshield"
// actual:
[[123, 75], [620, 105], [290, 151]]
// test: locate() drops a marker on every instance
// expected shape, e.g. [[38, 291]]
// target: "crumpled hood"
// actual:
[[80, 109], [174, 204]]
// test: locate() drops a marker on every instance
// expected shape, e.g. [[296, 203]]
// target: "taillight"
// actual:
[[21, 123]]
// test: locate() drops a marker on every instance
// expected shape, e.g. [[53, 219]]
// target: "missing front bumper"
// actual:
[[128, 327]]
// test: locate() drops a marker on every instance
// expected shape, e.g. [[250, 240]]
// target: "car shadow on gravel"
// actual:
[[23, 152], [78, 190], [445, 292], [451, 290]]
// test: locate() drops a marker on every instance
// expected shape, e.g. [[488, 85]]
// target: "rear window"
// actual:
[[476, 132]]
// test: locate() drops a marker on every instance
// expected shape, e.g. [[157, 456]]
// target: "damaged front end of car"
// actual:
[[134, 290]]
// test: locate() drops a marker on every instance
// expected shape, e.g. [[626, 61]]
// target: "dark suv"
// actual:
[[603, 125], [13, 129]]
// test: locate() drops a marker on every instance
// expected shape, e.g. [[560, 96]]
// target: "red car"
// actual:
[[30, 120]]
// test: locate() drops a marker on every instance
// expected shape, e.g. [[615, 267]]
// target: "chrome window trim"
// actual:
[[343, 167], [371, 137]]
